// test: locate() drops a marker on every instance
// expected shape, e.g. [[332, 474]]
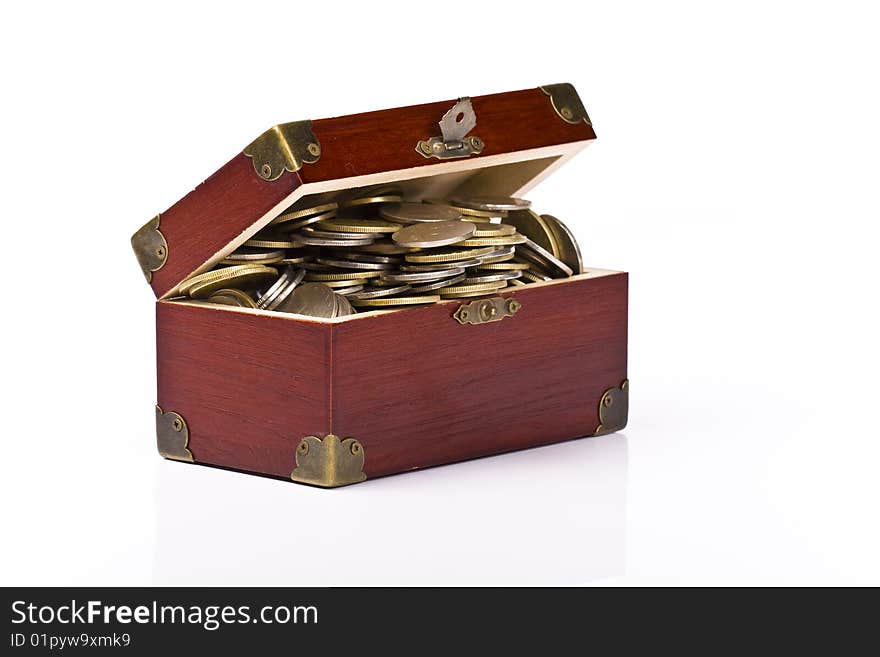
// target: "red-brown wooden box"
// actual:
[[334, 401]]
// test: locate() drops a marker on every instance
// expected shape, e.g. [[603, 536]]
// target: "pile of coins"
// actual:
[[378, 251]]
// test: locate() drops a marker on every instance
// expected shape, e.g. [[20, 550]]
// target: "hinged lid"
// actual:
[[501, 144]]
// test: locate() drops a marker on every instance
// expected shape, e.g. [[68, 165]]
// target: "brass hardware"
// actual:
[[613, 409], [172, 436], [454, 142], [566, 102], [285, 147], [330, 462], [487, 310], [150, 247]]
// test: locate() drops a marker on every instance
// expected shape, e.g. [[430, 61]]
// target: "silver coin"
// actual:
[[343, 306], [348, 290], [436, 285], [489, 278], [365, 257], [331, 234], [324, 241], [414, 213], [434, 233], [569, 251], [420, 276], [492, 203], [280, 289], [352, 264], [313, 299], [375, 293], [541, 256], [500, 255]]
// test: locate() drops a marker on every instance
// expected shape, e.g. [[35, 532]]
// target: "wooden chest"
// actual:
[[333, 401]]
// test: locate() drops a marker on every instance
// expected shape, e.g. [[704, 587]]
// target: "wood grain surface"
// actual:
[[385, 140], [419, 389], [249, 386], [213, 214]]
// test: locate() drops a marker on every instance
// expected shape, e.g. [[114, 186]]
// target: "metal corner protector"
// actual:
[[172, 436], [284, 147], [330, 462], [150, 247], [613, 409], [566, 103]]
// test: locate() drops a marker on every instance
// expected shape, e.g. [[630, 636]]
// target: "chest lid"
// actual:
[[500, 144]]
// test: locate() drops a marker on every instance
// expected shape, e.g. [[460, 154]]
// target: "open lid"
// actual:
[[501, 144]]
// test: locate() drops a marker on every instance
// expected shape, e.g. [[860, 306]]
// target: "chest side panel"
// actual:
[[419, 389], [362, 144], [212, 215], [249, 387]]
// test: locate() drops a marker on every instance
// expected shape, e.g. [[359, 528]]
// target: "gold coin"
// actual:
[[461, 295], [252, 276], [293, 215], [232, 297], [292, 226], [476, 287], [369, 200], [342, 276], [505, 266], [569, 251], [500, 255], [535, 277], [470, 212], [494, 230], [382, 247], [448, 255], [343, 283], [224, 273], [396, 301], [349, 225], [493, 241], [536, 228], [515, 283]]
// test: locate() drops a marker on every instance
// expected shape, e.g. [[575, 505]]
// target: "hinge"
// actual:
[[285, 147], [150, 248], [453, 140], [567, 103], [486, 310], [329, 462], [613, 409], [172, 436]]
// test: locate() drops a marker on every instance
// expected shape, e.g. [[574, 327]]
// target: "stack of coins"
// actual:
[[378, 251]]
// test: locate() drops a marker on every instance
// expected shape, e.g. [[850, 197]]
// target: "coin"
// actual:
[[569, 251], [308, 221], [348, 290], [324, 241], [434, 266], [533, 226], [252, 255], [515, 283], [232, 297], [536, 277], [413, 213], [348, 256], [246, 275], [500, 255], [376, 293], [476, 287], [466, 211], [343, 306], [505, 266], [433, 234], [491, 203], [277, 243], [494, 230], [535, 253], [294, 214], [420, 276], [370, 200], [448, 255], [354, 225], [493, 241], [314, 299], [311, 231], [475, 293], [341, 276], [436, 285], [396, 301], [354, 264], [281, 288], [488, 278], [384, 247], [342, 283]]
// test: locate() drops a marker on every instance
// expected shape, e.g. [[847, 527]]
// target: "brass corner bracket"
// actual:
[[329, 462], [613, 409], [284, 147], [150, 247], [172, 436], [486, 310], [566, 102]]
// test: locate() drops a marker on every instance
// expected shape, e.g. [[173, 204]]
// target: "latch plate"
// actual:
[[487, 310], [453, 141]]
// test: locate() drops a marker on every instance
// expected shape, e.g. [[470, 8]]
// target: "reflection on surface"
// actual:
[[551, 515]]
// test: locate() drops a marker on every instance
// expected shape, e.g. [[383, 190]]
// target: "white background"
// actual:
[[735, 177]]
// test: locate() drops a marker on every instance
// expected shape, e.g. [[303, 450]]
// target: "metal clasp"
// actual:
[[486, 310], [454, 142]]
